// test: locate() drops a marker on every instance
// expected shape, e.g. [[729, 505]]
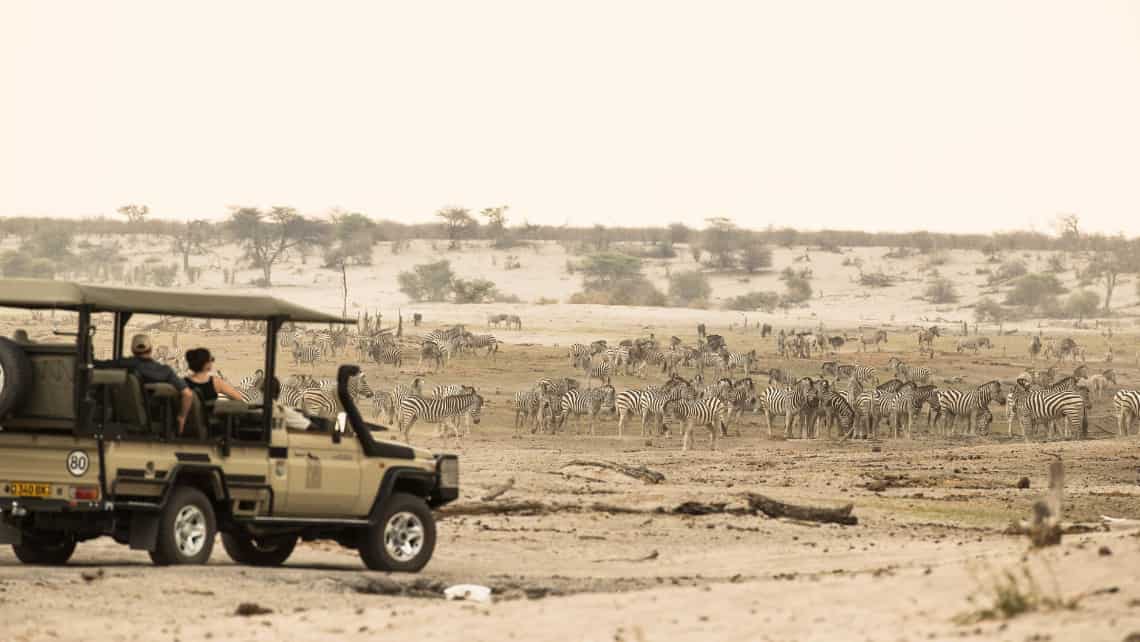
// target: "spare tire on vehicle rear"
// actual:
[[15, 376]]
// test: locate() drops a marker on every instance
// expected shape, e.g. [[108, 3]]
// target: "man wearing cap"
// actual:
[[151, 371]]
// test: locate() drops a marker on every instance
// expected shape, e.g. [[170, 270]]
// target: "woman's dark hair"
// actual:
[[198, 358]]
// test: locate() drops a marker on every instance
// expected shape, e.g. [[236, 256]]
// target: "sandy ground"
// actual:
[[921, 554]]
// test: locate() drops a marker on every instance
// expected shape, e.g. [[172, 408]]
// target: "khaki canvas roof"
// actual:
[[65, 295]]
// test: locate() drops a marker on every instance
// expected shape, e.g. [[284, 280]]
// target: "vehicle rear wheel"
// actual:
[[265, 551], [403, 539], [186, 529], [49, 550]]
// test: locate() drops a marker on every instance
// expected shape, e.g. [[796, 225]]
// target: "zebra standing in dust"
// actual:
[[403, 391], [448, 389], [322, 400], [711, 412], [653, 400], [917, 374], [875, 338], [787, 401], [531, 407], [383, 353], [478, 341], [898, 406], [439, 411], [579, 354], [734, 360], [383, 403], [1127, 406], [1038, 406], [603, 372], [586, 402], [954, 403], [306, 354]]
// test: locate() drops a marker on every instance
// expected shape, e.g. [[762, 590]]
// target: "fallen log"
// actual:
[[776, 508], [1025, 527], [534, 508], [637, 472], [496, 492]]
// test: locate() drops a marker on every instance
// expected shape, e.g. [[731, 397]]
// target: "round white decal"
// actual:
[[77, 462]]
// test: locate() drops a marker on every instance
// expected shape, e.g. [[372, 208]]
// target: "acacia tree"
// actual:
[[458, 221], [496, 223], [188, 239], [134, 213], [268, 237], [721, 239], [352, 236]]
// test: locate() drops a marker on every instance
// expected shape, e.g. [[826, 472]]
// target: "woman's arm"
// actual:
[[223, 388]]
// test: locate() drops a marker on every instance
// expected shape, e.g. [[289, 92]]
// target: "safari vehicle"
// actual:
[[87, 451]]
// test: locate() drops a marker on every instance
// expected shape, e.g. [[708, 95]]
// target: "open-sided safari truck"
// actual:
[[87, 451]]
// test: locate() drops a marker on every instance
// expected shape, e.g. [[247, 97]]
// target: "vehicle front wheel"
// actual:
[[265, 551], [403, 539], [49, 550], [186, 529]]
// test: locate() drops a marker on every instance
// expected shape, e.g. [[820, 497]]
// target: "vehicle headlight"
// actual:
[[449, 472]]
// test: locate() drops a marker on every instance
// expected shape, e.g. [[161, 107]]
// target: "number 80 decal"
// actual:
[[77, 463]]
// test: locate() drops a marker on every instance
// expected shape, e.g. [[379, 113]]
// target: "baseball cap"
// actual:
[[141, 343]]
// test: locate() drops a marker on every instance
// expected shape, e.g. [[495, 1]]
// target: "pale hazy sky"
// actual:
[[952, 116]]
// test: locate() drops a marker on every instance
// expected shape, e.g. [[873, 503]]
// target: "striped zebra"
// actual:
[[482, 341], [899, 406], [440, 411], [653, 400], [710, 412], [585, 402], [875, 338], [917, 374], [384, 403], [578, 354], [954, 403], [286, 339], [1127, 406], [835, 410], [531, 407], [557, 387], [617, 356], [386, 353], [306, 354], [323, 401], [926, 396], [787, 401], [449, 389], [253, 381], [626, 404], [603, 372], [1037, 406], [743, 360], [443, 335], [431, 351]]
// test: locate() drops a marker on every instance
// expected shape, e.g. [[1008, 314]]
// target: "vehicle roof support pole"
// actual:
[[83, 367], [121, 319], [272, 325]]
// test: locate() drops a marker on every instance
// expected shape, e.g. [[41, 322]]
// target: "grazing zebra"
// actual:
[[384, 403], [557, 387], [1038, 406], [917, 374], [514, 321], [449, 389], [586, 402], [926, 339], [443, 335], [834, 409], [1127, 405], [788, 401], [926, 396], [1098, 383], [431, 351], [578, 354], [440, 411], [974, 344], [875, 338], [954, 403], [302, 354], [653, 400], [477, 341], [401, 391], [603, 372], [711, 412], [494, 320], [627, 403], [899, 405], [782, 377], [744, 360]]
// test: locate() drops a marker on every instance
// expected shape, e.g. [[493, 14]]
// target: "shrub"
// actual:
[[1033, 290], [875, 279], [545, 301], [763, 301], [941, 291], [989, 311], [797, 284], [938, 259], [17, 264], [685, 288], [427, 281], [162, 275], [1009, 270], [1081, 304], [473, 291], [1055, 264], [755, 257]]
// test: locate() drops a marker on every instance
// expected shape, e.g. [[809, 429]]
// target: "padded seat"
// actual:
[[128, 403]]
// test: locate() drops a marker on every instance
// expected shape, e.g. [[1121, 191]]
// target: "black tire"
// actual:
[[47, 550], [196, 533], [399, 512], [271, 551], [15, 376]]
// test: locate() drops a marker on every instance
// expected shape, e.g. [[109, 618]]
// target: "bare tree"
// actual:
[[268, 237], [496, 222], [189, 238]]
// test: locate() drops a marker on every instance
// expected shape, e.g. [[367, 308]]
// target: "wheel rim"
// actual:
[[190, 530], [404, 536]]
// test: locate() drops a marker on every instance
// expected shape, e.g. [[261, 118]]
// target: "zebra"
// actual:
[[654, 399], [899, 404], [1037, 406], [787, 401], [974, 344], [586, 402], [514, 321], [954, 403], [557, 387], [253, 381], [1127, 405], [401, 391], [531, 406], [453, 408], [711, 412], [307, 354], [477, 341], [926, 338], [875, 338], [601, 371], [448, 389], [443, 335], [917, 374], [744, 360], [627, 403], [384, 403], [835, 410], [431, 351], [322, 400], [386, 353], [578, 354]]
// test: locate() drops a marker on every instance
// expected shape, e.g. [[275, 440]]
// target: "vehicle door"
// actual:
[[324, 474]]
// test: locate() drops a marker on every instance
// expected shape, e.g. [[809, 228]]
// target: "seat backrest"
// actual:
[[128, 404], [196, 427]]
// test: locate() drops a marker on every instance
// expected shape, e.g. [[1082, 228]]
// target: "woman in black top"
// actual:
[[207, 386]]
